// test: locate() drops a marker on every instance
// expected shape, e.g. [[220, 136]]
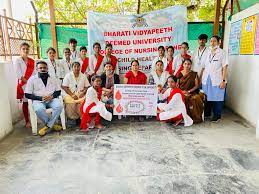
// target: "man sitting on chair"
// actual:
[[44, 91]]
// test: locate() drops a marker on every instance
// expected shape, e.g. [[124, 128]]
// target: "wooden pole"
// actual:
[[32, 38], [223, 21], [138, 9], [53, 26], [238, 5], [216, 19], [232, 7], [36, 29]]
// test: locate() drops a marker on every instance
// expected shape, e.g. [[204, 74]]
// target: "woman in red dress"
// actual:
[[134, 76]]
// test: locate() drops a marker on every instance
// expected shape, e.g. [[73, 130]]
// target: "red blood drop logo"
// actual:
[[119, 109], [118, 95]]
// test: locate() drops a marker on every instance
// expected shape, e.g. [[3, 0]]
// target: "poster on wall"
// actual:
[[138, 36], [234, 38], [132, 99], [257, 37], [247, 41]]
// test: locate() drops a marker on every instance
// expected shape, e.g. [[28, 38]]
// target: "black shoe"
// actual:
[[207, 116], [78, 121], [141, 119], [215, 119], [71, 123]]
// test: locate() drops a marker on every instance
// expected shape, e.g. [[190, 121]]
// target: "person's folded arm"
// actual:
[[33, 97], [56, 94]]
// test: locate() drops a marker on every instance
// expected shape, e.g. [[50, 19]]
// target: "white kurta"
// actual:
[[91, 96], [106, 59], [164, 59], [75, 85], [199, 56], [36, 86], [175, 107], [92, 64], [160, 80]]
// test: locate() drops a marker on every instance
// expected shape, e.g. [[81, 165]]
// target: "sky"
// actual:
[[21, 9]]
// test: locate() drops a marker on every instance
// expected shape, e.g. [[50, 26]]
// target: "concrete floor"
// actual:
[[148, 157]]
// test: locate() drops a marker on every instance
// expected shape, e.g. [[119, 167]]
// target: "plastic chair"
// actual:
[[33, 116]]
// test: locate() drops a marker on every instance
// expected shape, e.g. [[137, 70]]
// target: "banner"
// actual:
[[247, 41], [135, 99], [138, 36], [234, 37]]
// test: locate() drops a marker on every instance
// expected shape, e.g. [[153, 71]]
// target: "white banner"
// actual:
[[135, 99], [138, 36]]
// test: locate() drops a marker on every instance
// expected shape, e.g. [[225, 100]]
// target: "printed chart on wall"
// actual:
[[247, 41], [257, 36], [234, 38]]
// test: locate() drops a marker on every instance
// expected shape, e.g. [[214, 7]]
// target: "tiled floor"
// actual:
[[148, 157]]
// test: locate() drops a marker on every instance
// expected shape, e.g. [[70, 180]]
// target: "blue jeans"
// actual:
[[40, 110], [215, 106]]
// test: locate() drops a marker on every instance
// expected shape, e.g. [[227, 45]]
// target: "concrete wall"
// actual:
[[5, 112], [11, 82], [243, 80]]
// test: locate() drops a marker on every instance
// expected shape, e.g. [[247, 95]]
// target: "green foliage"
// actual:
[[76, 10]]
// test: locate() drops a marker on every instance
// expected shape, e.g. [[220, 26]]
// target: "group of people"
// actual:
[[188, 85]]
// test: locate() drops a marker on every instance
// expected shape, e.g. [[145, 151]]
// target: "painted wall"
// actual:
[[11, 82], [243, 79], [5, 112]]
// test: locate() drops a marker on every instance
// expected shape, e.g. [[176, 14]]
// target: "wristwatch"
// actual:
[[225, 81]]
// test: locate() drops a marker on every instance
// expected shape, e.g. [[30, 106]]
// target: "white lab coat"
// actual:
[[36, 86], [75, 85], [213, 65], [67, 65], [74, 55], [199, 58], [20, 68], [59, 73]]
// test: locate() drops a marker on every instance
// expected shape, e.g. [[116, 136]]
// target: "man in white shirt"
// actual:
[[44, 91], [200, 54], [72, 45], [161, 57]]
